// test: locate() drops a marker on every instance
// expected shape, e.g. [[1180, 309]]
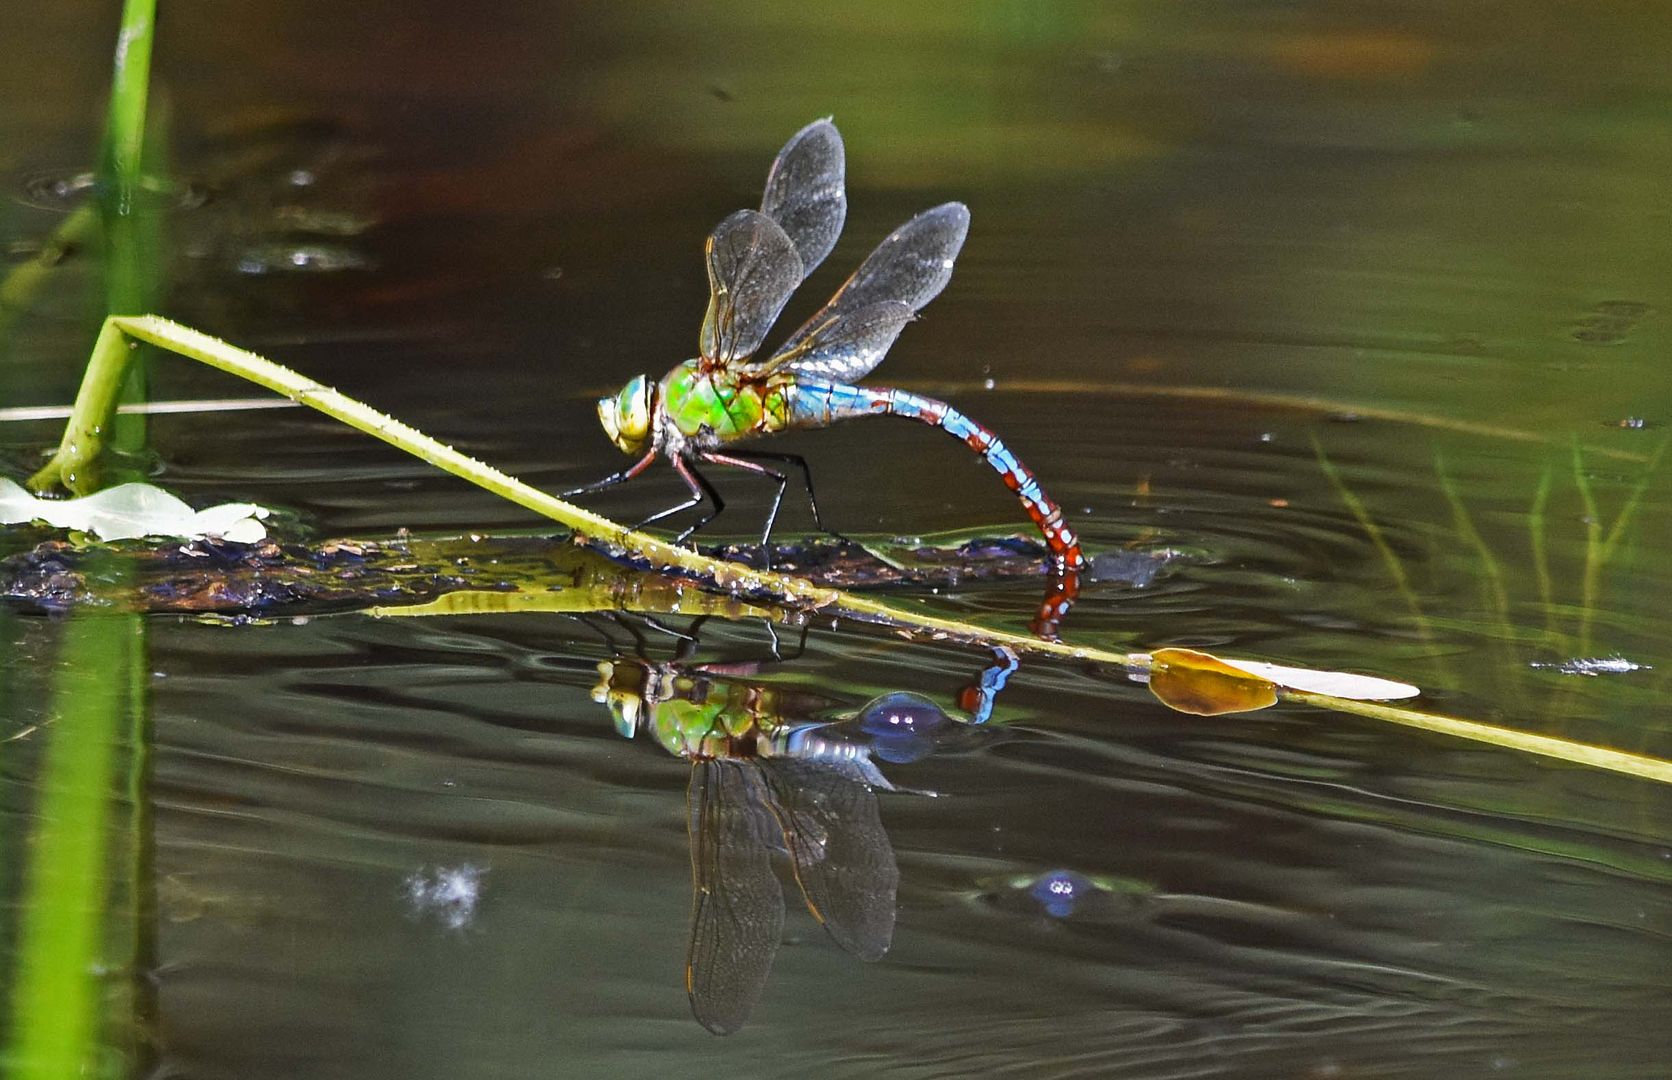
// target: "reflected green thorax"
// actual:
[[690, 715], [694, 399]]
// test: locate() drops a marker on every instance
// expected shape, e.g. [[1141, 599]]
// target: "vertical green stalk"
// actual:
[[124, 148], [56, 996]]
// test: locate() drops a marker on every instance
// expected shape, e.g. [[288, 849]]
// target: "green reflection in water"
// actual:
[[56, 999]]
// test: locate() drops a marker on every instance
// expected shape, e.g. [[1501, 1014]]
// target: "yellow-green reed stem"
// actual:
[[55, 1014], [1598, 757], [83, 438]]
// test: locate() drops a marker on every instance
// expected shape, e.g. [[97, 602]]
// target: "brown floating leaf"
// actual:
[[1194, 682]]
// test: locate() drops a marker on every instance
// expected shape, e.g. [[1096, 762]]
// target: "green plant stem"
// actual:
[[129, 93], [83, 436]]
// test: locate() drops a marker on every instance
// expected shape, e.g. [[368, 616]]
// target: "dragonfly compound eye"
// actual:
[[626, 416]]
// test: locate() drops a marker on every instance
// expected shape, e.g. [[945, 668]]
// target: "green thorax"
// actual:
[[731, 408]]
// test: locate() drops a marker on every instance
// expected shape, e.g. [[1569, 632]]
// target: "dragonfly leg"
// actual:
[[614, 478], [806, 483], [700, 489], [777, 499]]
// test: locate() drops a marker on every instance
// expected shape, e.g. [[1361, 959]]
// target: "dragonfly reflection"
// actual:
[[768, 775]]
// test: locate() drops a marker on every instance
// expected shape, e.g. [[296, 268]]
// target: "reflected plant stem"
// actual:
[[1390, 558], [141, 964], [1541, 559], [1465, 526], [55, 997], [1633, 501], [1593, 550], [83, 441], [1600, 548], [18, 290], [1223, 395]]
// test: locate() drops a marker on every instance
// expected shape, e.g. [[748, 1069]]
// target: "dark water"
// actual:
[[1447, 225]]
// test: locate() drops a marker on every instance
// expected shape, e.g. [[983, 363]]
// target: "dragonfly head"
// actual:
[[617, 688], [626, 416]]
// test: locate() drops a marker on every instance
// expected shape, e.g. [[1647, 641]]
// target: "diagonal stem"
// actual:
[[84, 436]]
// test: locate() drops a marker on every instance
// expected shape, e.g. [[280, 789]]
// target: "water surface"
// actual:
[[1446, 227]]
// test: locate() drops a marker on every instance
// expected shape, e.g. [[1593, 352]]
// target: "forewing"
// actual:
[[909, 268], [752, 269], [805, 194], [737, 911], [843, 860]]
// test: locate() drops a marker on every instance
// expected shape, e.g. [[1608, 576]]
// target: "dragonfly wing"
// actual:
[[737, 911], [752, 269], [843, 860], [846, 344], [805, 193], [909, 268]]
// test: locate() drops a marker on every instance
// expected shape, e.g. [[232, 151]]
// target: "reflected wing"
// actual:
[[843, 860], [737, 913], [752, 269], [850, 335], [804, 192]]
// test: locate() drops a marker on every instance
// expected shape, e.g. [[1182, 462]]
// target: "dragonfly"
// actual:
[[696, 413], [770, 771]]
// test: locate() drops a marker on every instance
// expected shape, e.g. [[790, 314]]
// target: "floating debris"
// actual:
[[1591, 666], [279, 576], [131, 511]]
